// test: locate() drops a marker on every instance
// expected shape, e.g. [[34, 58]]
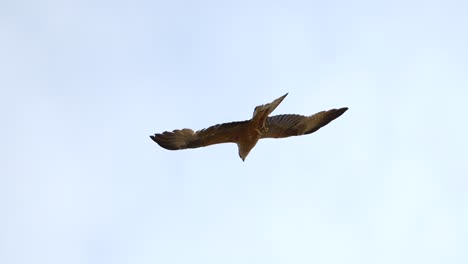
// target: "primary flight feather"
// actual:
[[247, 133]]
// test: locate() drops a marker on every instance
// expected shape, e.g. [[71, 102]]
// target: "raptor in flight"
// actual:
[[247, 133]]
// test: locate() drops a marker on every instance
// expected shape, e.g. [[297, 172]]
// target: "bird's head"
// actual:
[[243, 156], [243, 152]]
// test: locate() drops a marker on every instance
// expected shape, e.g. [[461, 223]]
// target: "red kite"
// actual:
[[247, 133]]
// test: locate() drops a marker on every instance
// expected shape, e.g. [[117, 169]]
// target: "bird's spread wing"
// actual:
[[294, 125], [280, 126], [187, 138]]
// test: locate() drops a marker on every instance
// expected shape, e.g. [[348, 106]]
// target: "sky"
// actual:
[[84, 83]]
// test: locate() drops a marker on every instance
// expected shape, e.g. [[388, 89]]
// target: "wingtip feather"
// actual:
[[164, 141], [342, 110]]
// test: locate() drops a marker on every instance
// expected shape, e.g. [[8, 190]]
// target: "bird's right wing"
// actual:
[[281, 126], [187, 138]]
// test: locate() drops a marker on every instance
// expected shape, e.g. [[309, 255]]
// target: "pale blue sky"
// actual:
[[83, 84]]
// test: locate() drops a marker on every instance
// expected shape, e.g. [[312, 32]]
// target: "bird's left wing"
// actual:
[[294, 125], [187, 138]]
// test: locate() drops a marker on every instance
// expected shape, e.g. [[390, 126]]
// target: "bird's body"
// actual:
[[247, 133]]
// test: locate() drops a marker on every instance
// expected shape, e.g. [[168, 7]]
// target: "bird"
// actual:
[[247, 133]]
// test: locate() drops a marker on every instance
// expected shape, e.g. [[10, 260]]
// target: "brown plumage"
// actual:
[[247, 133]]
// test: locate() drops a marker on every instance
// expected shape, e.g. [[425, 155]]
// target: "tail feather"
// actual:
[[261, 112]]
